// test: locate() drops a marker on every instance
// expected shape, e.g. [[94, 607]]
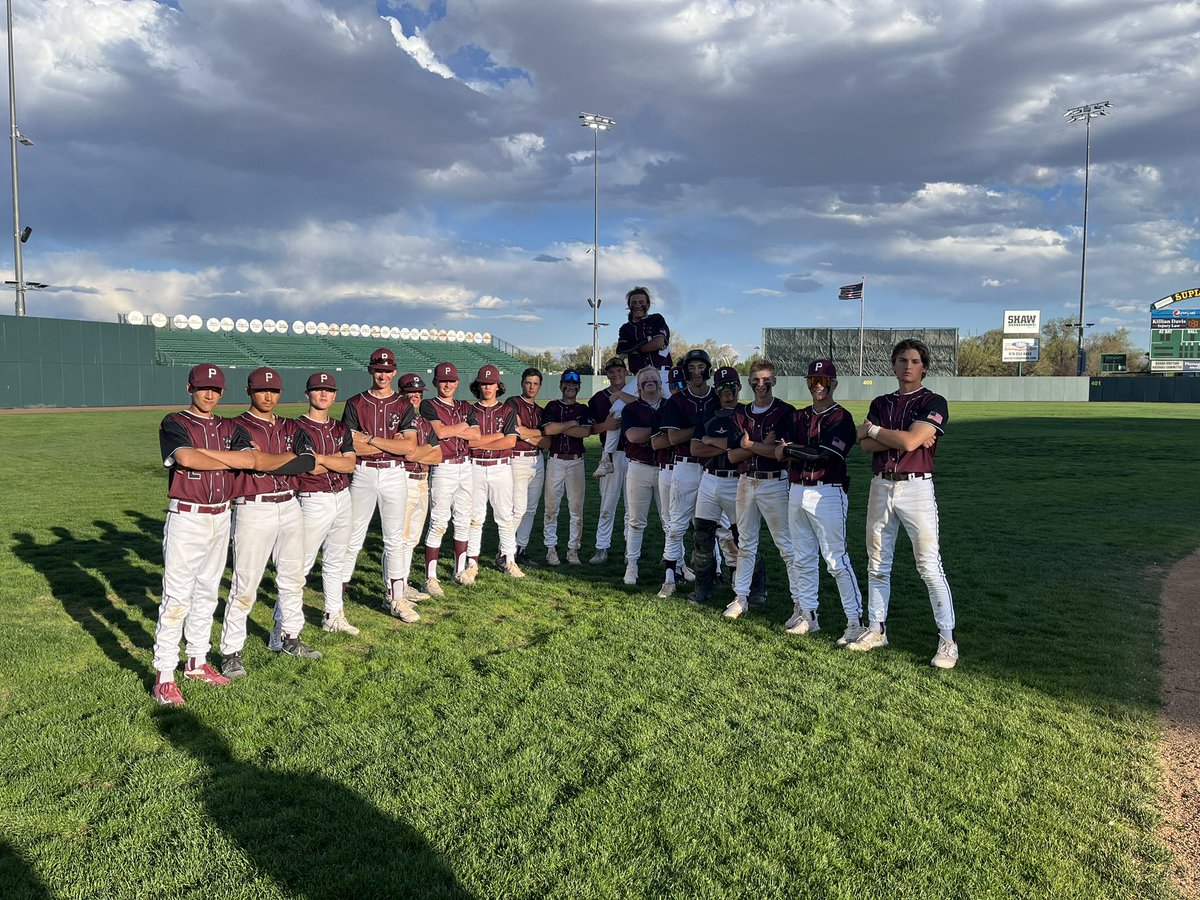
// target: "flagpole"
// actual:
[[862, 306]]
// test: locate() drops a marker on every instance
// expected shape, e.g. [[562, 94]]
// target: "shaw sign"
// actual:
[[1022, 321]]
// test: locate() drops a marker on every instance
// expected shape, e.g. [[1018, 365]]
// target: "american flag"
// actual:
[[851, 292], [838, 444]]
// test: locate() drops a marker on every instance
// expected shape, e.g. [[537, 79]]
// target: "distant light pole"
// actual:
[[597, 124], [1085, 114], [15, 137]]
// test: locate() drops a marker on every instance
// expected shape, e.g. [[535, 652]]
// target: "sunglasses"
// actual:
[[570, 378], [818, 381]]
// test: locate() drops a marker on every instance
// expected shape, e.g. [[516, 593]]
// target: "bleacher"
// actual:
[[233, 349]]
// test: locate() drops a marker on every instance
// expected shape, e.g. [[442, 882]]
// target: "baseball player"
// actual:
[[645, 339], [815, 441], [451, 485], [528, 464], [605, 409], [491, 473], [640, 421], [267, 527], [762, 491], [902, 431], [384, 429], [566, 423], [325, 494], [201, 452], [417, 465]]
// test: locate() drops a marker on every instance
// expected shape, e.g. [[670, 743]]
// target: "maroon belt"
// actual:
[[418, 476], [489, 462], [567, 456], [380, 463], [905, 476], [453, 462], [207, 510], [527, 453], [269, 498], [763, 476]]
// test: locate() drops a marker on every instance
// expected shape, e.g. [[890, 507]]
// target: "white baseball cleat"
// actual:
[[413, 595], [467, 576], [870, 640], [403, 610], [737, 608], [433, 588], [852, 633], [605, 468], [803, 623], [552, 557], [337, 623], [572, 557], [667, 590], [631, 573], [947, 654], [513, 570]]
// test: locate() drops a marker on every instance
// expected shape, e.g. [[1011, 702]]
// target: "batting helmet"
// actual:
[[693, 356]]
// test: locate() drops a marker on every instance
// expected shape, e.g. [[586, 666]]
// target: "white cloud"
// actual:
[[723, 311], [765, 292]]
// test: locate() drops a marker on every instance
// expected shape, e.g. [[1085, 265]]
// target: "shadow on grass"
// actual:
[[307, 832], [18, 881]]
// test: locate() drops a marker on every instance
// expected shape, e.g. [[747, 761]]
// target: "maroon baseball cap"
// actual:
[[727, 375], [320, 381], [445, 371], [382, 360], [207, 375], [488, 374], [822, 367], [411, 382], [264, 379]]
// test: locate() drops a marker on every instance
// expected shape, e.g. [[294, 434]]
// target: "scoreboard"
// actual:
[[1175, 340]]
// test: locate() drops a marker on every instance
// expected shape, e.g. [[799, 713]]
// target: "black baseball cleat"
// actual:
[[293, 646], [231, 666]]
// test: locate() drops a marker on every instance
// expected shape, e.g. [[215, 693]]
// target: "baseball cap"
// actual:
[[822, 367], [488, 374], [570, 376], [677, 375], [411, 382], [382, 360], [207, 375], [727, 375], [320, 381], [264, 379], [445, 371], [615, 363]]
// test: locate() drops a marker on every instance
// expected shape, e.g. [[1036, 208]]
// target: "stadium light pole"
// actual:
[[598, 124], [1085, 114], [15, 137]]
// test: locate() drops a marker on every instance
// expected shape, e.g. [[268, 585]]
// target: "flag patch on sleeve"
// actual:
[[936, 417], [838, 444]]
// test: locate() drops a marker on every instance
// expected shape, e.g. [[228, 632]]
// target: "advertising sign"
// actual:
[[1175, 338], [1022, 321], [1020, 350]]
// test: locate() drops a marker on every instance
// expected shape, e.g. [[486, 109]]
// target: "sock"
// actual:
[[948, 635], [166, 678], [431, 560]]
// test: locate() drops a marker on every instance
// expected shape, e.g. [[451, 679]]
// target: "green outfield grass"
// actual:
[[566, 736]]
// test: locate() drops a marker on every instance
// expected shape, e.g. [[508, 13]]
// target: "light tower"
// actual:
[[598, 124]]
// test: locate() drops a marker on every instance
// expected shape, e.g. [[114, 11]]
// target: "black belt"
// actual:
[[723, 473], [667, 466], [808, 482], [567, 456], [905, 476], [763, 476]]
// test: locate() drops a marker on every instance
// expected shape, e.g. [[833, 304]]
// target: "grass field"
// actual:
[[566, 736]]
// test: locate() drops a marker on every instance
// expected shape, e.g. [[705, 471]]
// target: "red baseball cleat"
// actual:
[[166, 693], [207, 674]]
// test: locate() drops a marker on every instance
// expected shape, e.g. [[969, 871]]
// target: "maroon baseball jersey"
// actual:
[[898, 412], [425, 437], [274, 435], [758, 425], [453, 413], [499, 418], [686, 410], [185, 429], [832, 429], [329, 438], [529, 415], [558, 411], [633, 334], [600, 406], [383, 417], [640, 414]]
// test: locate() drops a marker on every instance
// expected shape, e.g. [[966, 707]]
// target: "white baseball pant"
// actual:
[[415, 509], [685, 484], [387, 488], [327, 521], [817, 514], [195, 547], [912, 503], [642, 483], [265, 532], [611, 488], [564, 476], [716, 499], [451, 494], [492, 485], [529, 477], [760, 500]]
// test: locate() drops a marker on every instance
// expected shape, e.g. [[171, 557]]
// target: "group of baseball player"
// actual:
[[284, 491]]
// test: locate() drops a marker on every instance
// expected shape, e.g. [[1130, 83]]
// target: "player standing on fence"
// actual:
[[645, 340], [902, 430]]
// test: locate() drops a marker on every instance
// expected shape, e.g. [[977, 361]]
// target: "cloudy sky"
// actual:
[[421, 163]]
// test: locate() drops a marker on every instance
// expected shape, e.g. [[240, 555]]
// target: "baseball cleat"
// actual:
[[433, 588], [667, 590], [403, 610], [231, 666], [852, 633], [293, 646], [524, 560], [572, 557], [631, 573], [338, 624], [869, 641], [552, 557], [599, 558], [206, 673], [605, 468], [688, 574], [738, 607], [803, 623], [467, 576], [512, 570], [947, 654], [275, 641], [413, 594], [166, 693]]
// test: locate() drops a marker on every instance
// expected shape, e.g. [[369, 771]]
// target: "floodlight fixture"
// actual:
[[25, 233], [596, 122]]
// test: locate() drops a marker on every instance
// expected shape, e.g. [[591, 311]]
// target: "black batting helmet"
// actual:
[[693, 356]]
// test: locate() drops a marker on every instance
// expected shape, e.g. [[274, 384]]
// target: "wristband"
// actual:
[[371, 441], [873, 432]]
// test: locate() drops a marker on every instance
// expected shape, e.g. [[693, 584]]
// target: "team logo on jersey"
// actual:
[[394, 422]]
